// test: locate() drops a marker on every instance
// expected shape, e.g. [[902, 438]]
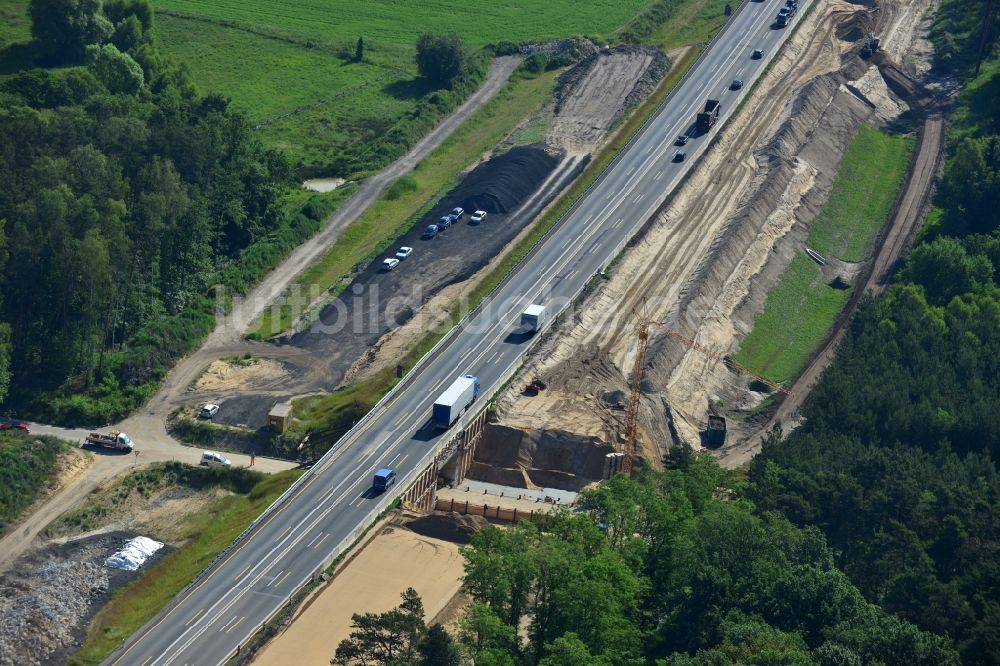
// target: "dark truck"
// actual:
[[708, 117], [716, 430]]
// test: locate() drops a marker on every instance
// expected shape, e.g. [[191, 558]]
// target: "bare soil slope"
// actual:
[[705, 264]]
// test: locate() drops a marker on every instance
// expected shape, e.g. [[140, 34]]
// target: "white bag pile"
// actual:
[[134, 553]]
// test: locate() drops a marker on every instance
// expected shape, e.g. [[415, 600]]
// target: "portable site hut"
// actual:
[[280, 417]]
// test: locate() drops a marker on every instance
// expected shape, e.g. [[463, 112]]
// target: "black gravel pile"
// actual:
[[500, 184]]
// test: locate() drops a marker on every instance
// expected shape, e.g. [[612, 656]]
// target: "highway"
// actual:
[[331, 505]]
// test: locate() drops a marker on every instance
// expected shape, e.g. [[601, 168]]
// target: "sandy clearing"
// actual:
[[586, 113], [370, 583], [652, 273], [253, 373], [689, 386]]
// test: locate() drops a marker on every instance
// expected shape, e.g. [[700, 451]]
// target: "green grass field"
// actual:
[[478, 22], [209, 532], [274, 60], [863, 193], [800, 310], [694, 23]]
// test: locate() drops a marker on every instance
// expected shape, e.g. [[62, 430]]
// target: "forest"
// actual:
[[868, 535], [126, 196]]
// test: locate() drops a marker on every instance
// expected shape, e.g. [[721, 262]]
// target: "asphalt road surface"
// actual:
[[209, 620]]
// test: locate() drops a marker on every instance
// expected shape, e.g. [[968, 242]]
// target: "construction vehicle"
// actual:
[[455, 400], [534, 387], [871, 45], [116, 440], [716, 430], [635, 383], [707, 118]]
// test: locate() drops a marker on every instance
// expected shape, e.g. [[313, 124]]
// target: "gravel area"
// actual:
[[48, 598]]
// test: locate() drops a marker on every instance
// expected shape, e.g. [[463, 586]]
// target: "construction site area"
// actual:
[[643, 361]]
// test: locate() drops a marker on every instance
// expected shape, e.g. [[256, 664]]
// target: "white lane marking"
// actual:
[[345, 480], [231, 620]]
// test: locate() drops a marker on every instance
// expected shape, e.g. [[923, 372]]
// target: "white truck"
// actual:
[[455, 400], [116, 439], [533, 319]]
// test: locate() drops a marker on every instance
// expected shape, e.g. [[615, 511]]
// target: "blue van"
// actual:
[[384, 478]]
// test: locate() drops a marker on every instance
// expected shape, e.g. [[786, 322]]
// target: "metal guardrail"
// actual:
[[463, 323], [436, 350]]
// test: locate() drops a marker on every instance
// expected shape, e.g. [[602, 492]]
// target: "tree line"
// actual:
[[676, 568], [125, 196]]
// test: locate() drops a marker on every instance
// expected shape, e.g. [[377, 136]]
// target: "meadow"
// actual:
[[799, 311], [863, 194], [293, 71], [478, 22], [802, 307]]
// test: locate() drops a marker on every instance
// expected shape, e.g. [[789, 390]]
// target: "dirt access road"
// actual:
[[147, 425], [105, 466], [902, 227], [227, 338]]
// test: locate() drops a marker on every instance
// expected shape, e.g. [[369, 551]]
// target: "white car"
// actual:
[[390, 263], [213, 459], [457, 212], [478, 216], [208, 411], [404, 252]]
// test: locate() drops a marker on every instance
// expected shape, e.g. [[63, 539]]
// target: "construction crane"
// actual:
[[635, 379]]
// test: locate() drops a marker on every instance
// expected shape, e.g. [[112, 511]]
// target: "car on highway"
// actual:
[[784, 12], [444, 223], [404, 252], [214, 459], [19, 427], [679, 156], [681, 140], [208, 411], [757, 54], [384, 479], [431, 231], [456, 213], [389, 264], [478, 217], [736, 84]]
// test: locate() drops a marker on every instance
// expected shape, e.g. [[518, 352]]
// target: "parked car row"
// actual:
[[17, 426], [456, 214]]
